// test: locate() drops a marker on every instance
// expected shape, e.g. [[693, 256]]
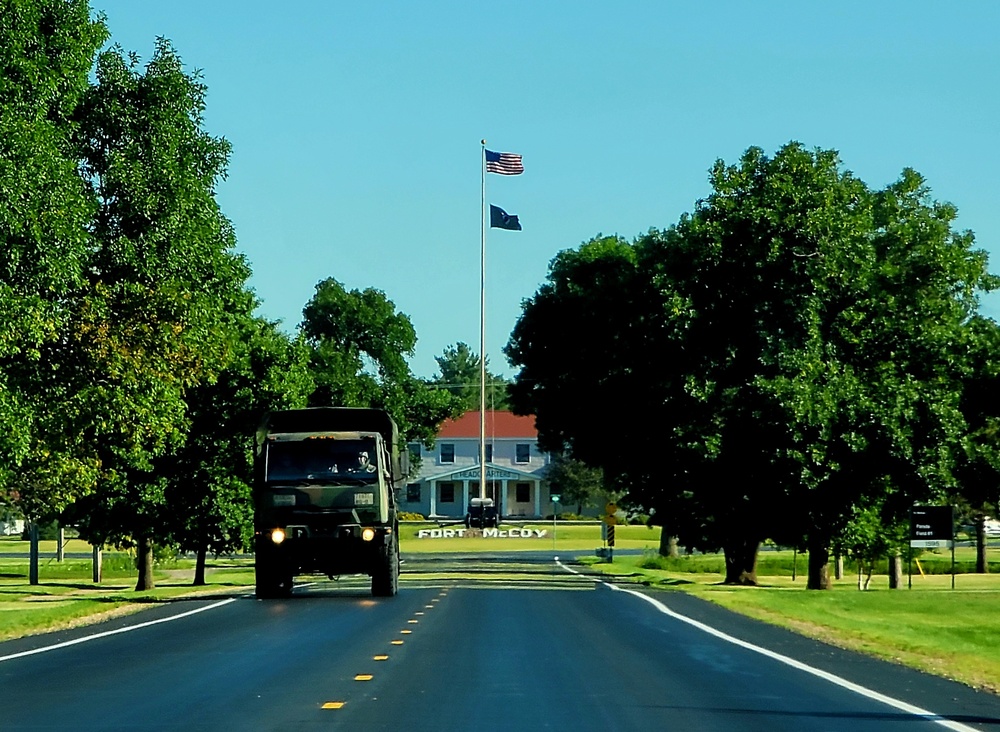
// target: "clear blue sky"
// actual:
[[356, 126]]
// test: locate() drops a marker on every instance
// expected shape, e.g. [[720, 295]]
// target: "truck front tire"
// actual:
[[385, 578], [273, 580]]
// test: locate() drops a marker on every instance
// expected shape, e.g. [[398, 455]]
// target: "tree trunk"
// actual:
[[982, 566], [664, 542], [895, 571], [741, 561], [144, 563], [838, 566], [199, 566], [819, 566]]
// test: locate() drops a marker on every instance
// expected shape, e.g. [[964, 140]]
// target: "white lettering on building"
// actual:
[[512, 533]]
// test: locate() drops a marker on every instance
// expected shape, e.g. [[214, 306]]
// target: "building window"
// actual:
[[447, 492], [413, 493], [414, 450], [523, 491], [447, 453], [522, 453], [489, 453]]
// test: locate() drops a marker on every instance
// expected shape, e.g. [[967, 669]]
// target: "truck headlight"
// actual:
[[278, 536], [368, 534]]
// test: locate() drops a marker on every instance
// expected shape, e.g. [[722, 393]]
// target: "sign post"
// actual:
[[932, 527], [609, 533], [555, 512]]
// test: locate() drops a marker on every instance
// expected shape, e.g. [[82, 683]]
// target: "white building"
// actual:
[[449, 473], [10, 526]]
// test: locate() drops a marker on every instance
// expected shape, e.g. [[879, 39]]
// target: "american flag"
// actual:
[[504, 163]]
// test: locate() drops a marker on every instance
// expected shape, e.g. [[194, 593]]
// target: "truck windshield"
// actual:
[[324, 460]]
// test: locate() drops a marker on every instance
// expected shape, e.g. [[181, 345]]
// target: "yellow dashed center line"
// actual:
[[383, 656]]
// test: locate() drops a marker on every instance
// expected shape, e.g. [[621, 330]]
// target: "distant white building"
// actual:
[[10, 526], [449, 473]]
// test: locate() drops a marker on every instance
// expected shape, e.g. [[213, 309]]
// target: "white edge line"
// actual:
[[106, 633], [825, 675]]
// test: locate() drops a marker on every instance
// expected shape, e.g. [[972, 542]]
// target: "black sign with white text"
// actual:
[[932, 526]]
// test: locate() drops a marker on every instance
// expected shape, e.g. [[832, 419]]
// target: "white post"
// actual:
[[555, 512]]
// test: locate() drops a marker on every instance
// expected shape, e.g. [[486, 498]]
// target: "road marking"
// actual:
[[363, 677], [412, 622], [333, 705], [107, 633], [429, 607], [788, 661], [406, 632], [380, 658], [418, 613], [397, 642]]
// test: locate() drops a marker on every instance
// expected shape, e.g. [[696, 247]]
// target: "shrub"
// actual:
[[411, 516]]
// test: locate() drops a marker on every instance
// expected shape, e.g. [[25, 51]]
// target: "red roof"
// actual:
[[498, 424]]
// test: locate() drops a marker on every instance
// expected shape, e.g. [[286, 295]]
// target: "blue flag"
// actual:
[[500, 219]]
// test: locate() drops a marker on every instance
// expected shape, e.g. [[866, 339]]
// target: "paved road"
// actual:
[[485, 643]]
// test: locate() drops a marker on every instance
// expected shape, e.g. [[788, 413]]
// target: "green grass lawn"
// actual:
[[67, 597], [14, 545]]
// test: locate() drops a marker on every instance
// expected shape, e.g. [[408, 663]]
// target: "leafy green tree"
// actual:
[[358, 346], [978, 466], [571, 341], [47, 48], [590, 368], [211, 474], [869, 536], [575, 482], [832, 321], [154, 319], [460, 375]]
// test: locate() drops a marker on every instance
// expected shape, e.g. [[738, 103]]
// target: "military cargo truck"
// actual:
[[324, 497]]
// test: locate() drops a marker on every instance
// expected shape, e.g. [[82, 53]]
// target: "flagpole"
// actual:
[[482, 331]]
